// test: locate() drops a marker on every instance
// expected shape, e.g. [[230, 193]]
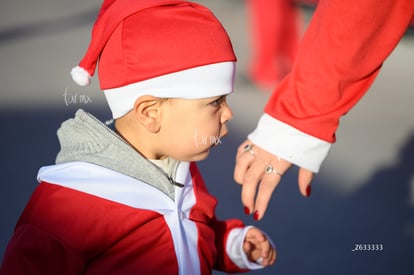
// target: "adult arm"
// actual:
[[339, 57]]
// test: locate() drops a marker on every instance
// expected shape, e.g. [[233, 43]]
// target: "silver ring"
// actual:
[[269, 169], [248, 148]]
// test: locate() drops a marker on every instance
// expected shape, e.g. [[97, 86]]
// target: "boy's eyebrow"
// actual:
[[217, 98], [213, 98], [221, 97]]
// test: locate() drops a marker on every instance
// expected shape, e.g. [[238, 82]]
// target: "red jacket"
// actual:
[[114, 224]]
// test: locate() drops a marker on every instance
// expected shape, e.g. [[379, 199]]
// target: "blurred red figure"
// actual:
[[275, 33]]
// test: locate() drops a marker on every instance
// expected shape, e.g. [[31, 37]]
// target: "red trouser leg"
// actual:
[[274, 27]]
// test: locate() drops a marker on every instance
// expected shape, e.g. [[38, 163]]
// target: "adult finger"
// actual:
[[250, 184], [241, 148], [254, 174], [244, 159], [264, 194], [304, 180], [268, 185]]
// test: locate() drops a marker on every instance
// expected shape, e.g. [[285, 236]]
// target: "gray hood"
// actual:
[[85, 138]]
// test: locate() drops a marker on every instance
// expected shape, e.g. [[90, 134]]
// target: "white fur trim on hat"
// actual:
[[195, 83]]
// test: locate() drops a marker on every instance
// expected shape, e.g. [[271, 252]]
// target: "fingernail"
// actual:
[[308, 191], [246, 211], [256, 216]]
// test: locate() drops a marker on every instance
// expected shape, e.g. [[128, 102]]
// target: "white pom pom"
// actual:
[[80, 76]]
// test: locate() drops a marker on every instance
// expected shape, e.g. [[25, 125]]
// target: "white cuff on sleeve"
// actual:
[[234, 249], [290, 144]]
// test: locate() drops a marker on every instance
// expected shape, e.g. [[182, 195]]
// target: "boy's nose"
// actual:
[[227, 114]]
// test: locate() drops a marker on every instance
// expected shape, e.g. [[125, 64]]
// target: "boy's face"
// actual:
[[189, 128]]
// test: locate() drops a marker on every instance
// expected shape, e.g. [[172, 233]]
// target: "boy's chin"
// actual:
[[200, 156]]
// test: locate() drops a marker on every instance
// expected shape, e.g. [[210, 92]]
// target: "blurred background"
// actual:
[[364, 193]]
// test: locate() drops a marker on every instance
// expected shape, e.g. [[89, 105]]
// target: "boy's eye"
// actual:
[[217, 102]]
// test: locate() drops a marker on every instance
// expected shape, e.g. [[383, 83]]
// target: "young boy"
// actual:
[[132, 201]]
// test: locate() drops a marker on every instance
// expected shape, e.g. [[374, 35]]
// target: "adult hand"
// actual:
[[258, 171]]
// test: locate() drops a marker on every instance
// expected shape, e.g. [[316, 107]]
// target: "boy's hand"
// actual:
[[258, 248]]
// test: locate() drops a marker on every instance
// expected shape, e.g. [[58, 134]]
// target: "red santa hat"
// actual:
[[163, 48]]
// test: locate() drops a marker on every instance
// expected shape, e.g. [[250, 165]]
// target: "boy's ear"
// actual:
[[147, 112]]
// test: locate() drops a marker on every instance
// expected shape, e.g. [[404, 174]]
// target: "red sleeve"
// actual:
[[33, 251], [221, 228], [223, 261], [340, 56]]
